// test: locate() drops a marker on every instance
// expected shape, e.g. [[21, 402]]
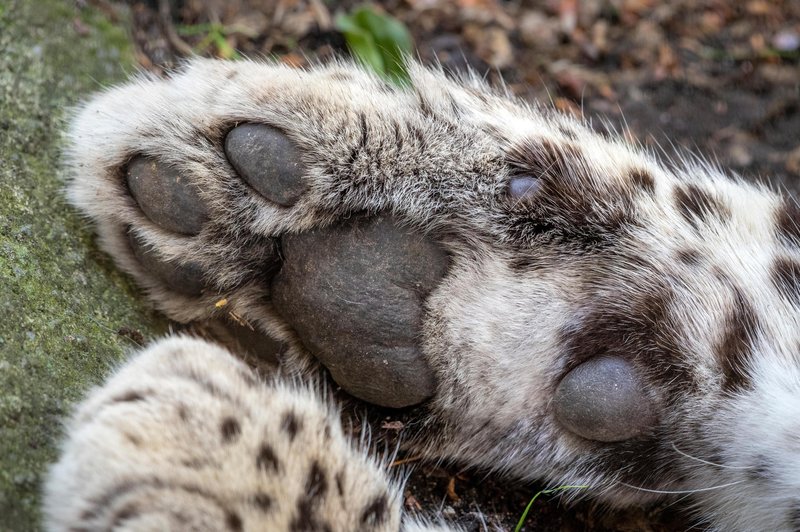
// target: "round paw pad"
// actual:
[[355, 294], [168, 199], [186, 279], [604, 399], [267, 160]]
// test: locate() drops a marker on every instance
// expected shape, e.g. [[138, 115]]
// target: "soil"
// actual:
[[719, 78]]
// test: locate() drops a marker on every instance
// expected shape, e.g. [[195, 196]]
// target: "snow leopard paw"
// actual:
[[223, 194]]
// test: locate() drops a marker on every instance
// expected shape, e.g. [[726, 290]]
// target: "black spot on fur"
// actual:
[[690, 257], [230, 430], [135, 440], [306, 517], [129, 397], [207, 385], [262, 501], [183, 413], [376, 511], [291, 424], [339, 478], [736, 348], [643, 180], [317, 481], [267, 460], [233, 521], [787, 220], [786, 277], [696, 204], [128, 512]]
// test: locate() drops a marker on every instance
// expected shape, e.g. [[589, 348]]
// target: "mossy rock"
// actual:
[[68, 316]]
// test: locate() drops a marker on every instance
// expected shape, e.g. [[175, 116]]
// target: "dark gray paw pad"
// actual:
[[354, 293], [186, 279], [168, 199], [604, 399], [267, 160]]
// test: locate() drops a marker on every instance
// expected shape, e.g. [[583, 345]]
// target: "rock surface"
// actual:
[[68, 316]]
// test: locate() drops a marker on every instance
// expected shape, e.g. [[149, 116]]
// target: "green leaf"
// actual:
[[224, 49], [361, 43], [379, 41]]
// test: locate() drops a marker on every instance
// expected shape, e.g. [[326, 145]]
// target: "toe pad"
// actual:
[[266, 158], [166, 198]]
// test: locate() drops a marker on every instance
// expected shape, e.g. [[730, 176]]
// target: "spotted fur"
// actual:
[[686, 274], [186, 437]]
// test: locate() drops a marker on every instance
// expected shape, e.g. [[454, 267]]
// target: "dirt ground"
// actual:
[[715, 77]]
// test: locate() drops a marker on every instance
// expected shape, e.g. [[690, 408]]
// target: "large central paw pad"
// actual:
[[355, 295], [353, 291]]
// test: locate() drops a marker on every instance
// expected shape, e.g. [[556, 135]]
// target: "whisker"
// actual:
[[706, 461], [679, 492]]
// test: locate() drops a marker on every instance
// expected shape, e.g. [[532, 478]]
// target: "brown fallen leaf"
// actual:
[[451, 490]]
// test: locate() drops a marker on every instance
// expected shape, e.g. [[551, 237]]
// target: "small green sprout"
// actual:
[[377, 40], [215, 35], [543, 492]]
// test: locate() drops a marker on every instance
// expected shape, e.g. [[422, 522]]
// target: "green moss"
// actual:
[[62, 303]]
